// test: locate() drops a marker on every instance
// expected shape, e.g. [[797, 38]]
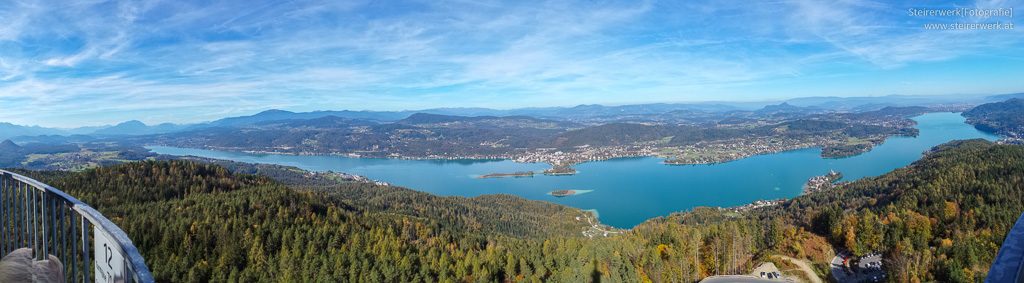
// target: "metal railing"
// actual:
[[1009, 263], [48, 221]]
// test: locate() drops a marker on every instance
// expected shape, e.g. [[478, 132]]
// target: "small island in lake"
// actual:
[[506, 175], [565, 193]]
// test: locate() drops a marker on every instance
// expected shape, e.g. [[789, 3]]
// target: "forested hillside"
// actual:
[[1004, 118], [940, 219]]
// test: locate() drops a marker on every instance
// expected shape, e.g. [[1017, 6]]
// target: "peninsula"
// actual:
[[519, 174], [823, 182]]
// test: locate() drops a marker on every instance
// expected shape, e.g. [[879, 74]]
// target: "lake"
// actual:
[[627, 191]]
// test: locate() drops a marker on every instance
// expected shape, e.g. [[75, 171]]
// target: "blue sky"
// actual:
[[75, 63]]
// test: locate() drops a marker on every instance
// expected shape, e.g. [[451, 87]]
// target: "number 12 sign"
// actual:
[[108, 258]]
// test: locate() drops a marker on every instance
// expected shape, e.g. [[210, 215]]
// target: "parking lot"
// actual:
[[868, 268]]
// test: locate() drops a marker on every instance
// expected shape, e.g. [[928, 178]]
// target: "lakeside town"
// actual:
[[595, 228], [699, 153], [341, 176], [813, 184], [729, 150], [823, 182], [754, 205]]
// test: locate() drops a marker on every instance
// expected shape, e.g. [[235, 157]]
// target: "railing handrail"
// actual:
[[140, 271], [1008, 266]]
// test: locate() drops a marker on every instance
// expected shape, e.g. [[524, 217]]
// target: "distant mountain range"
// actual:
[[135, 127], [129, 128], [576, 113], [559, 113]]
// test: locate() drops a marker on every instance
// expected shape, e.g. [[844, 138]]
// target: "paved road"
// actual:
[[805, 267]]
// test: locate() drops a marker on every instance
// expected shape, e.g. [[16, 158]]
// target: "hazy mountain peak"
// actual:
[[136, 127], [8, 130], [417, 118], [274, 112], [7, 145], [781, 107], [131, 123]]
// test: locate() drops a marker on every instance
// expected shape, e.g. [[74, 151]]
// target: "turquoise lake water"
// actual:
[[628, 191]]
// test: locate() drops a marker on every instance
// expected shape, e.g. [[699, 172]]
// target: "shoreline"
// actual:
[[637, 151], [665, 159], [718, 151]]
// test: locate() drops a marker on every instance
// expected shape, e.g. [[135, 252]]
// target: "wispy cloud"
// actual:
[[96, 62], [881, 33]]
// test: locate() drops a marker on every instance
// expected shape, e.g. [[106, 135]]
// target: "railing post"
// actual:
[[22, 216], [44, 204], [62, 207], [74, 249], [25, 216], [30, 199], [4, 224], [85, 248], [15, 216]]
